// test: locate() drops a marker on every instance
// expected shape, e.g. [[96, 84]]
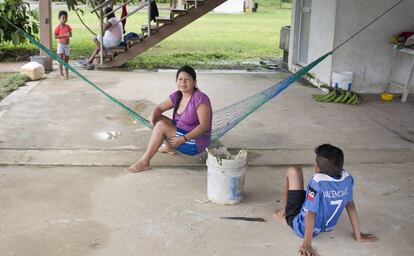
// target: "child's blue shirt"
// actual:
[[327, 197]]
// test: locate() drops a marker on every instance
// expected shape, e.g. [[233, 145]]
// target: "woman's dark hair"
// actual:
[[189, 70], [63, 13], [108, 10], [329, 159]]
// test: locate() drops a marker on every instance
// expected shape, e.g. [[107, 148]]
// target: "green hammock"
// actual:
[[223, 119], [228, 117]]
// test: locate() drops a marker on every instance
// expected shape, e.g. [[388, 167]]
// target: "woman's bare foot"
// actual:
[[167, 150], [139, 166], [280, 216]]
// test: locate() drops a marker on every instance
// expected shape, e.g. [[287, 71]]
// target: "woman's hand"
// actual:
[[176, 141], [159, 109], [155, 116]]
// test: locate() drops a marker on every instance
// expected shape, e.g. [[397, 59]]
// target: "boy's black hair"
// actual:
[[63, 13], [108, 10], [330, 159]]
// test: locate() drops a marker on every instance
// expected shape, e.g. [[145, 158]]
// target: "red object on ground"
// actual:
[[407, 34]]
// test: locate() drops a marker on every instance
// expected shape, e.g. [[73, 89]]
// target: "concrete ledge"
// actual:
[[257, 157]]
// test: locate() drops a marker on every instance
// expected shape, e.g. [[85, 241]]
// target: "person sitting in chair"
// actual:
[[113, 34]]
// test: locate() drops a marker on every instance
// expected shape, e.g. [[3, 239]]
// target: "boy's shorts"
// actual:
[[63, 49], [293, 205], [188, 147]]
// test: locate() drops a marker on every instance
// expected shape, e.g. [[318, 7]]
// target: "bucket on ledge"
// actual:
[[226, 172], [342, 80], [39, 59]]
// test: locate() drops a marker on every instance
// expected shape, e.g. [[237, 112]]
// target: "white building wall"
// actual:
[[323, 21], [321, 39], [369, 54], [230, 6]]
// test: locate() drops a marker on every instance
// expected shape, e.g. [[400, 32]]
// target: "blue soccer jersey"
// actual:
[[327, 197]]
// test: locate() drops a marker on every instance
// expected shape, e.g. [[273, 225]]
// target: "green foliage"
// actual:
[[21, 52], [19, 14], [14, 81]]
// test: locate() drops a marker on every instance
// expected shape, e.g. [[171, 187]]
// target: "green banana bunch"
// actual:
[[347, 97], [339, 96]]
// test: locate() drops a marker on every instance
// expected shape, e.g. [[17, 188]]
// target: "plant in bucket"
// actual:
[[225, 175]]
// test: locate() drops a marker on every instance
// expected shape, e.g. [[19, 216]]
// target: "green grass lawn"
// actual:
[[211, 42]]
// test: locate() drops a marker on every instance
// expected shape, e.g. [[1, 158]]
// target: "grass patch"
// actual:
[[215, 41], [10, 82]]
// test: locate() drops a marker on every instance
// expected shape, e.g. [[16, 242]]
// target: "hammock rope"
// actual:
[[129, 111], [223, 119], [226, 118]]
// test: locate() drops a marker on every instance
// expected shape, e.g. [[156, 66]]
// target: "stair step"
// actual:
[[192, 2], [179, 11], [144, 28], [106, 58], [167, 20], [110, 54], [118, 49], [132, 41]]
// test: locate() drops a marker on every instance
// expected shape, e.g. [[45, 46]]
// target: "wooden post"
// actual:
[[149, 18], [101, 51], [45, 25]]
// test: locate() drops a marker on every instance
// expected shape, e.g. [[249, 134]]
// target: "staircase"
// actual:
[[163, 28]]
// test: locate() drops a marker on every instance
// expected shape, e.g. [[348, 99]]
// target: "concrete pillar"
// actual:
[[45, 25]]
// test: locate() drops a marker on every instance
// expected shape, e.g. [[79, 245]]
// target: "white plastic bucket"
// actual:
[[342, 80], [33, 70], [39, 59], [226, 172]]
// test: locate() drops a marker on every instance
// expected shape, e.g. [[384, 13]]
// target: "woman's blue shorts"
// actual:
[[188, 147]]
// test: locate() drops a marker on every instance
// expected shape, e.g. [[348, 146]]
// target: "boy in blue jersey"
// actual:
[[319, 207]]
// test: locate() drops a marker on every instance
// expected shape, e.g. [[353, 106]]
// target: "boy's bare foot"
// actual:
[[280, 216], [139, 166], [62, 77], [165, 149], [68, 77]]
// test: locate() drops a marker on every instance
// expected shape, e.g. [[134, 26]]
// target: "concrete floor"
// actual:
[[63, 191], [103, 211]]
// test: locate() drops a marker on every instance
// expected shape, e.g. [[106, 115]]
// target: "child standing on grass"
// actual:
[[318, 208], [62, 33]]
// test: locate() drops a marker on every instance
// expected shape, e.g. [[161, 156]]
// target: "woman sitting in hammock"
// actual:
[[189, 132]]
